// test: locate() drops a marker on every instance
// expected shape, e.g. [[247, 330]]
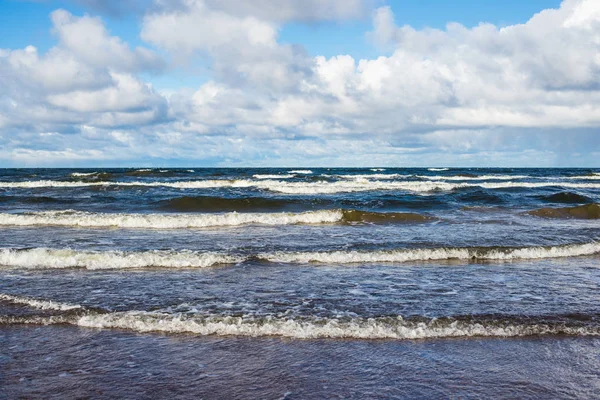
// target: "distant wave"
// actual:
[[383, 327], [473, 177], [73, 218], [267, 176], [592, 176], [318, 187], [377, 169], [301, 171], [437, 169], [588, 211], [43, 258], [79, 174]]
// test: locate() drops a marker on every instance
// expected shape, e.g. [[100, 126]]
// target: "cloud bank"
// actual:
[[525, 94]]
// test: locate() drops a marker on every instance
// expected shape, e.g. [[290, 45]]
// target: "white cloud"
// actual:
[[88, 76], [439, 96]]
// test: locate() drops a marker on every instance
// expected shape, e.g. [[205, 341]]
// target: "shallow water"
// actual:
[[328, 283]]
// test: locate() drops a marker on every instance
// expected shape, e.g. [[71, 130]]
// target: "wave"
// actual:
[[168, 221], [566, 197], [81, 174], [435, 254], [39, 304], [384, 327], [36, 199], [588, 211], [43, 258], [267, 176], [337, 328], [471, 177], [73, 218], [592, 176], [437, 169], [377, 169], [351, 216], [221, 204], [318, 187], [301, 171]]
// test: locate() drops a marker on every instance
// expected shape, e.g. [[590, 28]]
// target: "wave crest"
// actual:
[[44, 258]]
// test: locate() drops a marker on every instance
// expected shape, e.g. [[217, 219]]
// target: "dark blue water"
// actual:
[[300, 283]]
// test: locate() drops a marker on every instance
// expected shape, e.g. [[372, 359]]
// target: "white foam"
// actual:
[[166, 221], [377, 169], [301, 171], [586, 177], [473, 178], [41, 304], [320, 187], [77, 174], [267, 176], [437, 169], [371, 176], [66, 258], [357, 328], [407, 255]]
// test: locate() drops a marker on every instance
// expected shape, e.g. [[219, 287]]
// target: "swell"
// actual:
[[73, 218], [220, 204], [566, 197], [44, 258], [587, 211], [384, 327], [36, 200]]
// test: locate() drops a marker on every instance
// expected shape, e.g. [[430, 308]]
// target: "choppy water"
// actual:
[[300, 268]]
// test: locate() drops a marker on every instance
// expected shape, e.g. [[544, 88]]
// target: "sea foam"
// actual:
[[44, 258], [166, 221]]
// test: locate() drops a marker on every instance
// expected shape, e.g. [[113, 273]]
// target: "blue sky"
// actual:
[[299, 82]]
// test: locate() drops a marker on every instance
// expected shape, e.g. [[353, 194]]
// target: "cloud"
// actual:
[[88, 77], [521, 94]]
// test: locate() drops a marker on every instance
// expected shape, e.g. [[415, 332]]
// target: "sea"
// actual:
[[300, 283]]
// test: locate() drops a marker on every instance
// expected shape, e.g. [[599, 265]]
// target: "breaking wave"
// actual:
[[73, 218], [39, 304], [435, 254], [267, 176], [43, 258], [355, 328], [318, 187], [437, 169], [301, 171], [473, 177], [80, 174], [384, 327]]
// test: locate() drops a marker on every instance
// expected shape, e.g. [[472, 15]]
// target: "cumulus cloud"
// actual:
[[89, 76], [455, 96]]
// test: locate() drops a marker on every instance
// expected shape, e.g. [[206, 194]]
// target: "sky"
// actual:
[[268, 83]]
